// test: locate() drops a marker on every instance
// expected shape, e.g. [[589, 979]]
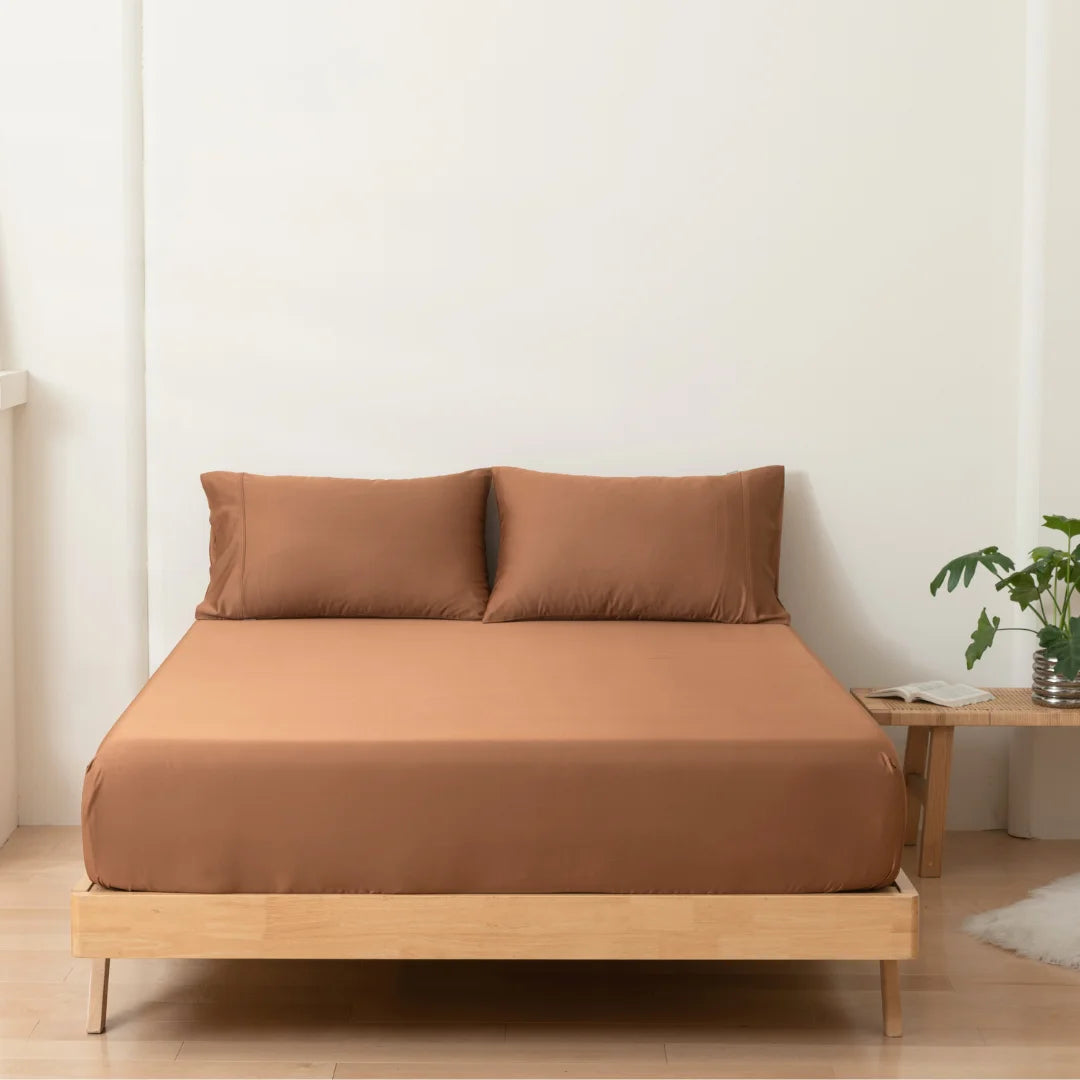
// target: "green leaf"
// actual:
[[1063, 646], [1015, 578], [957, 569], [1044, 571], [1050, 562], [1023, 588], [1059, 523], [981, 638], [1025, 597], [965, 566]]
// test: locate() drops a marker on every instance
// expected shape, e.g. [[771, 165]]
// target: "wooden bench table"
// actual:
[[928, 757]]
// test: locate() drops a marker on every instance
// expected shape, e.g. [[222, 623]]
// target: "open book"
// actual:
[[937, 692]]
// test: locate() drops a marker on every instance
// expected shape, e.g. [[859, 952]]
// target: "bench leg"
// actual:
[[937, 798], [99, 997], [890, 998], [918, 739]]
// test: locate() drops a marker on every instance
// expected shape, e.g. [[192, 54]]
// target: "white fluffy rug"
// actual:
[[1045, 926]]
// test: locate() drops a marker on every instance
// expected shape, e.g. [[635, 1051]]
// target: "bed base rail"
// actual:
[[882, 925]]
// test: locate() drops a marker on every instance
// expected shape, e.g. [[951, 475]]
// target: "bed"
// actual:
[[436, 788]]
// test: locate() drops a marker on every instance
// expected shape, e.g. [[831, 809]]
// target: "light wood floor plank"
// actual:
[[150, 1070], [540, 1070], [87, 1049], [16, 1028]]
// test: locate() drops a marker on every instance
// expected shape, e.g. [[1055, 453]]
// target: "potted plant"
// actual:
[[1046, 589]]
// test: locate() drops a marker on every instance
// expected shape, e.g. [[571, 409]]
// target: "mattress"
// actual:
[[425, 756]]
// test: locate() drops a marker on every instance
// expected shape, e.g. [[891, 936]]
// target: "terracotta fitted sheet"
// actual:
[[416, 756]]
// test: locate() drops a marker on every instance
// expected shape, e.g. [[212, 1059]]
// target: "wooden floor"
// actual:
[[970, 1009]]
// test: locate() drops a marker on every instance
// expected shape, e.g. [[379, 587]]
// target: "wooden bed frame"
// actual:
[[882, 925]]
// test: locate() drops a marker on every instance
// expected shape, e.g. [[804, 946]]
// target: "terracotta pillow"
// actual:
[[299, 547], [699, 548]]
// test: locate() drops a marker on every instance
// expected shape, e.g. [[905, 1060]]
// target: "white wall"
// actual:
[[1060, 482], [8, 779], [1044, 794], [66, 314], [609, 236]]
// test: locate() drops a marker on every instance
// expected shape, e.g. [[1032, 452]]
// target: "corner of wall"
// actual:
[[1043, 799]]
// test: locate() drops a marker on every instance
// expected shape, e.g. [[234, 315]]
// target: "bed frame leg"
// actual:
[[890, 998], [99, 996]]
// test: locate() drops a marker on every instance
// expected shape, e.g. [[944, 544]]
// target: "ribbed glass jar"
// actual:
[[1050, 689]]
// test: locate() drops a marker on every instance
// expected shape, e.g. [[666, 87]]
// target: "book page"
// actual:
[[909, 691], [955, 694]]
